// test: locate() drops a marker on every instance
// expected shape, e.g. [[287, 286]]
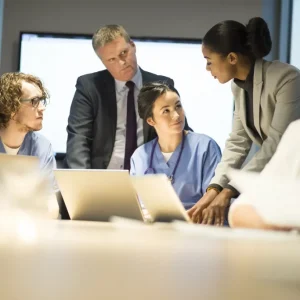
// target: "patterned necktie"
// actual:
[[131, 136]]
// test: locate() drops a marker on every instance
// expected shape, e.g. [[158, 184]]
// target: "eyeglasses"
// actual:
[[36, 101]]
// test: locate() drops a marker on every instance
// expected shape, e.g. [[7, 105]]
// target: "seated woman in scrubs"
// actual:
[[188, 159]]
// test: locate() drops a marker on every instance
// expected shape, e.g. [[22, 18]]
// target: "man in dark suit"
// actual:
[[104, 127]]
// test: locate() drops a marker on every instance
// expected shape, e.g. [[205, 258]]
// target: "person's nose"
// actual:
[[175, 115], [122, 62], [41, 107]]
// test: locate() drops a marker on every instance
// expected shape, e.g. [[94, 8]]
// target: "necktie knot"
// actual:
[[130, 85]]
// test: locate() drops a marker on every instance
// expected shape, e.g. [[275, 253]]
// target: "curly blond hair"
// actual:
[[11, 94]]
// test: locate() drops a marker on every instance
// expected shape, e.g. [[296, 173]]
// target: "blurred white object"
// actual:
[[23, 186], [274, 192], [275, 198]]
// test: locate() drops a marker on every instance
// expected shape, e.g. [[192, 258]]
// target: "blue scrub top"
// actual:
[[35, 144], [200, 156]]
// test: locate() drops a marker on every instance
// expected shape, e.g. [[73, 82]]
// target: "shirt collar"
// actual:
[[2, 145], [137, 79]]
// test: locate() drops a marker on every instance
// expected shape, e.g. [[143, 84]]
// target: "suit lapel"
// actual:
[[148, 131], [147, 77], [243, 113], [257, 89], [109, 106], [243, 116]]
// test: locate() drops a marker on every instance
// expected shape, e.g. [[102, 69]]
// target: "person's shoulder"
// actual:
[[143, 149], [40, 143], [150, 77], [277, 71], [94, 77], [202, 139], [38, 138], [93, 83], [280, 66]]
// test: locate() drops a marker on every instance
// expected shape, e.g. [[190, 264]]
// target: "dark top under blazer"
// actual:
[[92, 122]]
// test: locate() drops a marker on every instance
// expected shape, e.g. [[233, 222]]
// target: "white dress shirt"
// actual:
[[117, 158]]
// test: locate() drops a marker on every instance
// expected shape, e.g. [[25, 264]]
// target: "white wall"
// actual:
[[1, 23], [173, 18], [295, 40]]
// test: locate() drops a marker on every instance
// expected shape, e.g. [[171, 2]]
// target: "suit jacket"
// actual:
[[276, 103], [92, 121]]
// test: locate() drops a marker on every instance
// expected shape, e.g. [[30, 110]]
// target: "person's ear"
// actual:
[[132, 44], [232, 58], [12, 116], [150, 121]]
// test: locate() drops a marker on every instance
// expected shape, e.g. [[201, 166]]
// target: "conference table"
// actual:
[[125, 259]]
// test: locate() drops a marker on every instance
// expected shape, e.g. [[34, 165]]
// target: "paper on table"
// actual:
[[275, 198]]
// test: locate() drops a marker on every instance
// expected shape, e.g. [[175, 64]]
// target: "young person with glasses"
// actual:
[[23, 100]]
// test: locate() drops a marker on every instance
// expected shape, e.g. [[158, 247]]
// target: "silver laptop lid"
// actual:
[[159, 198], [97, 195]]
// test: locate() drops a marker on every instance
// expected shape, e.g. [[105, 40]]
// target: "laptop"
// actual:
[[159, 198], [98, 195]]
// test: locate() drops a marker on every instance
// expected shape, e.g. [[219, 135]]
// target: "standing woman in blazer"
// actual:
[[266, 100]]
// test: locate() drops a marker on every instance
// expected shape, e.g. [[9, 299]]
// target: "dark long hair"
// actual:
[[252, 40], [148, 95]]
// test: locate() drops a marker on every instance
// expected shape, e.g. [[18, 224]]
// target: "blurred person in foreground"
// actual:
[[283, 168]]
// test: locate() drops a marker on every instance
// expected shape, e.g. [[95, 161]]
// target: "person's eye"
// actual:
[[208, 63], [111, 60], [165, 111], [35, 102], [123, 53], [178, 106]]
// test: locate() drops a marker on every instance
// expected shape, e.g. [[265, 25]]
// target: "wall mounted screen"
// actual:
[[59, 59]]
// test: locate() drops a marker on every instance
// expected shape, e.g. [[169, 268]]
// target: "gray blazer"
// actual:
[[276, 103]]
